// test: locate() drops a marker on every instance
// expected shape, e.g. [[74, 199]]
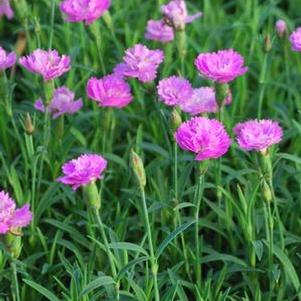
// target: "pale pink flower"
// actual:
[[222, 66], [5, 9], [258, 135], [295, 39], [207, 138], [12, 219], [7, 60], [157, 30], [84, 10], [62, 103], [142, 63], [174, 90], [82, 171], [47, 63], [175, 13], [281, 28]]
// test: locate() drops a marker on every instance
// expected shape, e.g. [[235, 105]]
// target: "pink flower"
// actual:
[[157, 30], [281, 28], [7, 60], [5, 9], [62, 103], [110, 91], [258, 134], [82, 171], [142, 63], [176, 14], [174, 90], [202, 101], [207, 138], [295, 39], [120, 69], [84, 10], [222, 66], [11, 219], [49, 63]]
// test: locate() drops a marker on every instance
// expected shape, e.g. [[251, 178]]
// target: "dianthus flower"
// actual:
[[5, 9], [142, 63], [222, 66], [109, 91], [7, 60], [295, 39], [62, 103], [281, 28], [175, 13], [174, 90], [47, 63], [84, 10], [157, 30], [207, 138], [82, 171], [258, 135], [12, 219]]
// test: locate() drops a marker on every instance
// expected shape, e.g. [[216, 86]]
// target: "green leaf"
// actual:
[[171, 236], [42, 290], [290, 158], [131, 264], [98, 282], [128, 246]]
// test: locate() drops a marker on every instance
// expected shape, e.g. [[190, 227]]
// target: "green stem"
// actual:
[[153, 260], [262, 82], [15, 281]]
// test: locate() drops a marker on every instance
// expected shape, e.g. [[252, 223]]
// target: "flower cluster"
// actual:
[[82, 171], [84, 10], [7, 60], [11, 218], [62, 103]]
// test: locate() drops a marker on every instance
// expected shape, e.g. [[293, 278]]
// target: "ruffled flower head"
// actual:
[[295, 39], [157, 30], [5, 9], [207, 138], [62, 103], [82, 171], [7, 60]]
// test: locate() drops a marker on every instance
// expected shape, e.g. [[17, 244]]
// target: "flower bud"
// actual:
[[266, 190], [175, 119], [28, 125], [267, 44], [92, 196], [138, 169], [281, 28]]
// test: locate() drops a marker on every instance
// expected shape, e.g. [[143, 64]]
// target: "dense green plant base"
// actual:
[[64, 257]]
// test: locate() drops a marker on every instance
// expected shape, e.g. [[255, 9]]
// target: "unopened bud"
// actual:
[[28, 125], [138, 169], [267, 193], [267, 46], [281, 28], [175, 119]]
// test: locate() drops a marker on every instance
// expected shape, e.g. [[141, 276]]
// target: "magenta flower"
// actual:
[[7, 60], [82, 171], [12, 219], [5, 9], [281, 28], [207, 138], [110, 91], [174, 90], [62, 103], [258, 135], [84, 10], [120, 69], [142, 63], [176, 14], [222, 66], [157, 30], [49, 63], [295, 39]]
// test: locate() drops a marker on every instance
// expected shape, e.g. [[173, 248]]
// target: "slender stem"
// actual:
[[108, 250], [15, 280], [153, 261], [262, 81]]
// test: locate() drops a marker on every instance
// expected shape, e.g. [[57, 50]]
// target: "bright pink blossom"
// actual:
[[258, 135], [120, 69], [281, 28], [222, 66], [142, 63], [82, 171], [84, 10], [207, 138], [5, 9], [62, 103], [174, 90], [11, 219], [295, 39], [49, 63], [110, 91], [7, 60], [202, 101], [157, 30], [176, 14]]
